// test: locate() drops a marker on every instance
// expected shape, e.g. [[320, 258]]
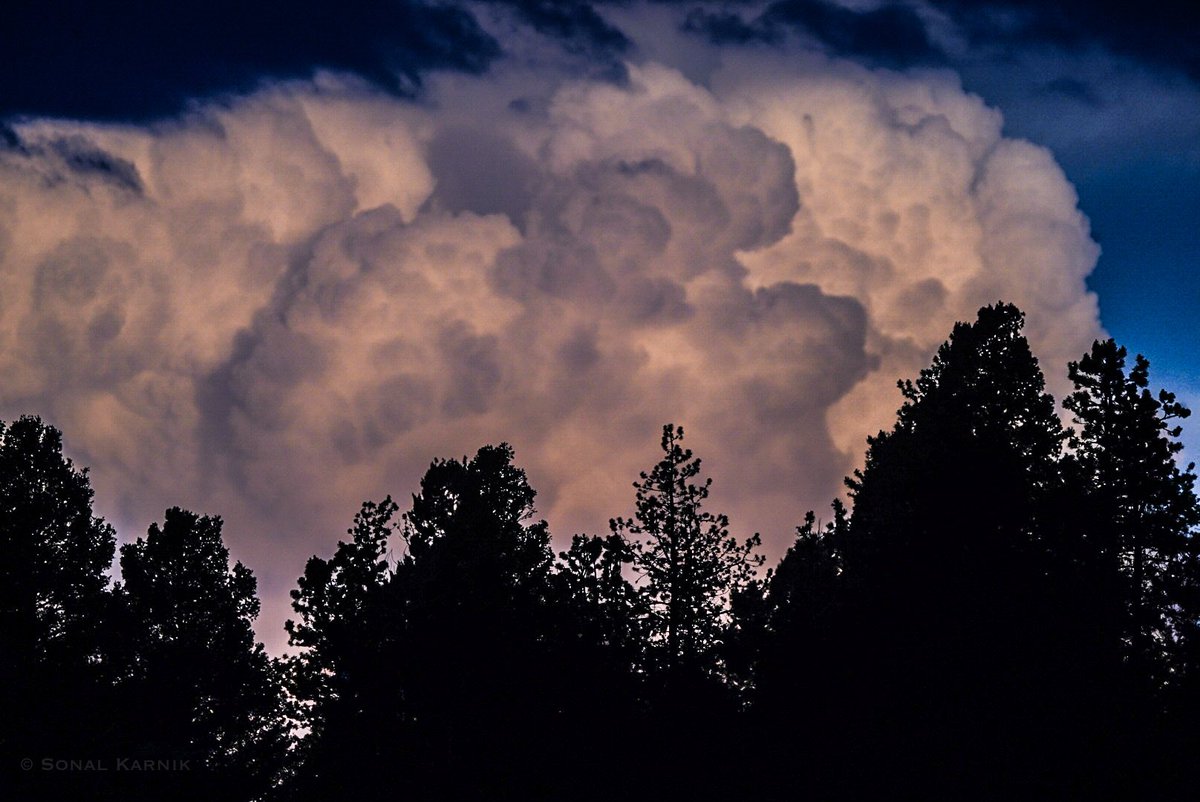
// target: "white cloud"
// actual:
[[275, 308]]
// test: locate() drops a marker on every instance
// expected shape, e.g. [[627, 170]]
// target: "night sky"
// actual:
[[269, 263]]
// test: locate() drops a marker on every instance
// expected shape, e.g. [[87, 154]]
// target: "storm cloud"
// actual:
[[278, 305]]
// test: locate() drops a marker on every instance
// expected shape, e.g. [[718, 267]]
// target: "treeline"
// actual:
[[1011, 609]]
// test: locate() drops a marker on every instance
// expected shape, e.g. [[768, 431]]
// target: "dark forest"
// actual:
[[1007, 608]]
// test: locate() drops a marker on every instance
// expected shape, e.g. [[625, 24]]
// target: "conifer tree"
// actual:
[[474, 585], [602, 608], [54, 603], [57, 553], [337, 602], [343, 680], [195, 685], [1141, 508], [596, 668], [429, 674], [953, 647], [691, 564], [972, 457]]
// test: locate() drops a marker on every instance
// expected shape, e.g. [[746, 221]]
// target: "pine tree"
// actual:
[[430, 674], [337, 602], [691, 564], [1141, 508], [805, 583], [57, 553], [474, 583], [196, 686], [343, 681], [54, 599], [952, 646], [972, 457], [602, 609], [796, 629], [595, 672]]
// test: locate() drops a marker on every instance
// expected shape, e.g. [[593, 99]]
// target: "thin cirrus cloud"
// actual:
[[275, 306]]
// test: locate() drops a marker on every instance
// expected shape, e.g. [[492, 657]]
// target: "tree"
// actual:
[[691, 564], [952, 631], [791, 630], [53, 601], [690, 572], [476, 661], [595, 672], [1143, 507], [473, 522], [972, 457], [195, 684], [800, 596], [338, 602], [432, 672], [343, 681], [54, 577], [775, 635], [601, 610]]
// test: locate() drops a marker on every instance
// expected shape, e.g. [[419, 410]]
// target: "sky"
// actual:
[[269, 262]]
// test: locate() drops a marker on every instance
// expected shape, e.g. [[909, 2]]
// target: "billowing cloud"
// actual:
[[277, 306]]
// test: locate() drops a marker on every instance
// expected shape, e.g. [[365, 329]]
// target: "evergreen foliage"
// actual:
[[1139, 514], [342, 682], [994, 616], [1142, 511], [194, 683], [57, 553], [691, 563], [54, 603]]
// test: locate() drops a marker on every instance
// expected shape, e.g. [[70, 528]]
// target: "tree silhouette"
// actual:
[[344, 680], [1143, 507], [475, 586], [690, 570], [195, 684], [597, 666], [956, 654], [53, 598], [970, 461], [601, 609], [433, 670], [806, 580], [1139, 514], [787, 641], [691, 564], [337, 602], [995, 618], [799, 595]]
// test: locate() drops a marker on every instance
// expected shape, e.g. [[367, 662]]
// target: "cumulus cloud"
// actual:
[[277, 306]]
